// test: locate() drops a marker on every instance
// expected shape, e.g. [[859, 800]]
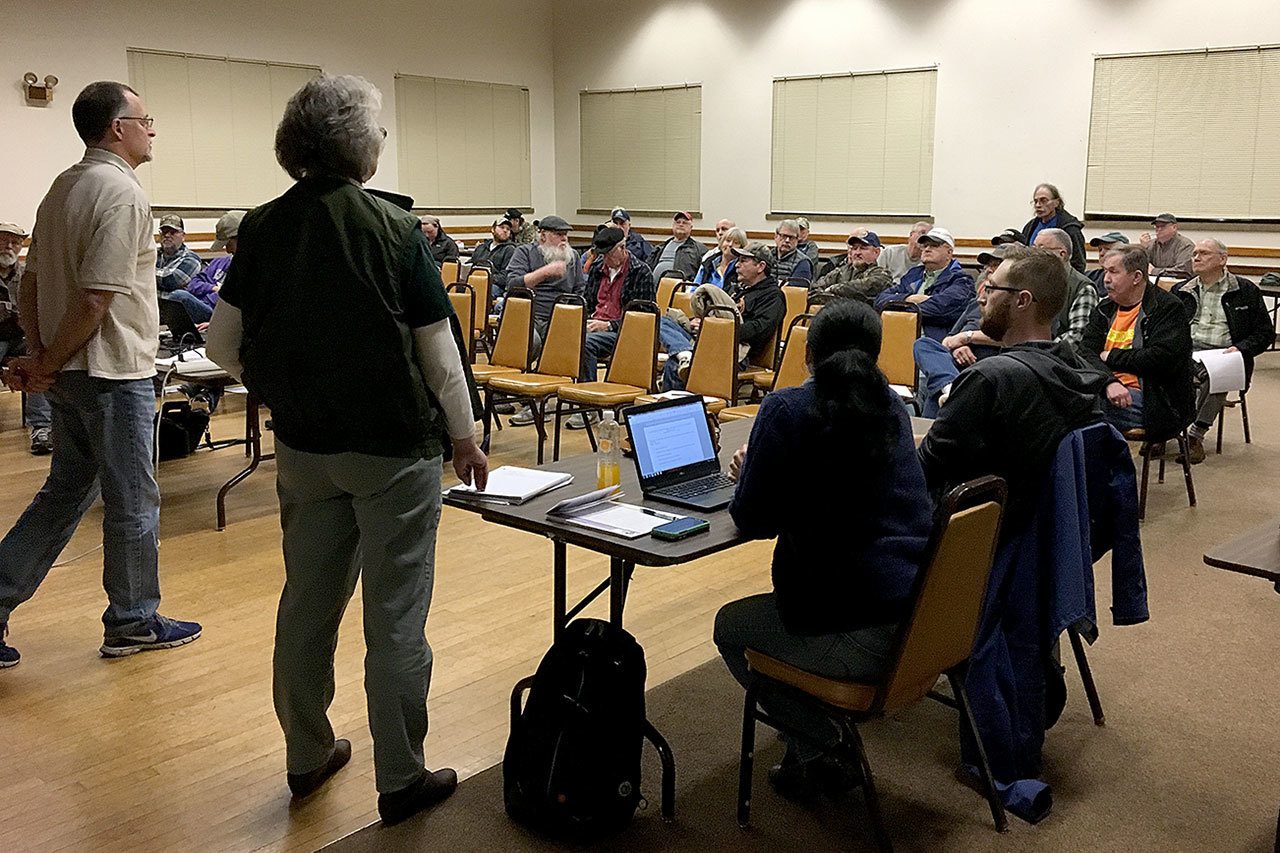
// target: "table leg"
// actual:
[[559, 582], [253, 447], [619, 579]]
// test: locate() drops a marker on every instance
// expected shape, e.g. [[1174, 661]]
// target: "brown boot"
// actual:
[[1195, 450]]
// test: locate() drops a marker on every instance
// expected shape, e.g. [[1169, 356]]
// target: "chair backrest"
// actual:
[[463, 298], [515, 331], [949, 592], [767, 355], [562, 352], [793, 369], [666, 286], [683, 300], [900, 325], [797, 300], [479, 283], [714, 369], [635, 356], [449, 271]]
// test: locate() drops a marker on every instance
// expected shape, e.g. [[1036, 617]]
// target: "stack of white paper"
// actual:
[[512, 485], [1226, 369]]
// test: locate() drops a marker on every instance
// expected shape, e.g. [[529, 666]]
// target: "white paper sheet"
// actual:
[[1226, 369]]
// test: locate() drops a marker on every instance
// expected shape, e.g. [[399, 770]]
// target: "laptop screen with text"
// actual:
[[670, 437]]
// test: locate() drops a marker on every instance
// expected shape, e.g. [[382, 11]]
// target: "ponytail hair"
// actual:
[[853, 397]]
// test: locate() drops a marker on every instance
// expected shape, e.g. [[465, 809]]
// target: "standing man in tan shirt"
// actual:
[[89, 311]]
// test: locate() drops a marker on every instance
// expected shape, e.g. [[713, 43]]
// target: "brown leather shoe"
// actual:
[[1195, 451], [304, 784], [432, 787]]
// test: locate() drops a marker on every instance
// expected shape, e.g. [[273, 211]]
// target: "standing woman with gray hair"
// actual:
[[334, 315]]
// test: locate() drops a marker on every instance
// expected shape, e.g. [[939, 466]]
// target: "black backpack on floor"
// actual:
[[572, 765]]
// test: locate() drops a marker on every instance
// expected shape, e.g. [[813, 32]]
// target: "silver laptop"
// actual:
[[675, 457]]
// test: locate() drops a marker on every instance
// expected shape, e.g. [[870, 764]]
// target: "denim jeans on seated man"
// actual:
[[601, 344], [103, 433], [35, 407], [1127, 418], [939, 367], [200, 313]]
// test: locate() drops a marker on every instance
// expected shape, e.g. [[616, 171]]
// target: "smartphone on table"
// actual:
[[680, 528]]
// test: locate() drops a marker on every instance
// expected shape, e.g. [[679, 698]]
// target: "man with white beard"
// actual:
[[35, 408], [550, 268]]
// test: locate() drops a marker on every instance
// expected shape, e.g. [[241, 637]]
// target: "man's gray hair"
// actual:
[[1062, 238], [1217, 244], [793, 224], [330, 126]]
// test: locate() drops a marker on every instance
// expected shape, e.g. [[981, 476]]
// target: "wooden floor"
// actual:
[[181, 749]]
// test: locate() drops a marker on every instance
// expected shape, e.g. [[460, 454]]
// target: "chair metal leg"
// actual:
[[747, 757], [1183, 445], [1145, 450], [1160, 472], [1244, 418], [488, 416], [555, 448], [668, 760], [1086, 676], [539, 408], [993, 795], [1222, 415], [869, 790]]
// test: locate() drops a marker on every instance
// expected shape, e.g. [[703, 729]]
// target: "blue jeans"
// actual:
[[103, 434], [348, 517], [200, 313], [939, 369], [600, 344], [35, 407], [1124, 419]]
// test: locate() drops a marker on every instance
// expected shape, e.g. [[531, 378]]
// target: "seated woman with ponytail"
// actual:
[[831, 471]]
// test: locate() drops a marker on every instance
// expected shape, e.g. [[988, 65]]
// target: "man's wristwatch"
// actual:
[[968, 337]]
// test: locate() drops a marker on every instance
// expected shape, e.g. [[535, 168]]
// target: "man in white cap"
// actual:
[[201, 293], [939, 286], [35, 407]]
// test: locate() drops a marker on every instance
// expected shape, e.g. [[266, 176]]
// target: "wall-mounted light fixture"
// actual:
[[39, 94]]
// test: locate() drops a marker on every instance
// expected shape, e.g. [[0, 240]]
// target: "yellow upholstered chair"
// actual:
[[793, 369], [934, 640], [463, 299], [479, 281], [512, 347], [449, 272], [713, 373], [631, 374], [682, 299], [666, 287], [797, 302], [900, 325], [559, 365]]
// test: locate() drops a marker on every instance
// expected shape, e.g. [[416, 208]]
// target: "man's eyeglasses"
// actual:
[[147, 121], [987, 286]]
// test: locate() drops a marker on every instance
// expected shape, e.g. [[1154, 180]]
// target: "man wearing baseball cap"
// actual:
[[522, 233], [636, 244], [681, 254], [175, 263], [1104, 243], [201, 293], [860, 277], [496, 253], [939, 285], [35, 407], [1170, 251]]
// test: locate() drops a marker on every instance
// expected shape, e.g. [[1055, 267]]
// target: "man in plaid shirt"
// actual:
[[176, 264], [1082, 298]]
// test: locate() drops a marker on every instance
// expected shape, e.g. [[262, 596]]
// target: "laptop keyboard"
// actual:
[[699, 487]]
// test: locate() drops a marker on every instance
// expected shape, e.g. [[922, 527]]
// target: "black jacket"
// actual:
[[1160, 358], [1072, 226], [1006, 416], [763, 309], [688, 257], [443, 249], [1248, 320], [639, 285], [496, 257]]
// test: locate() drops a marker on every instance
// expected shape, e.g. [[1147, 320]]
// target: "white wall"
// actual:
[[81, 41], [1014, 85]]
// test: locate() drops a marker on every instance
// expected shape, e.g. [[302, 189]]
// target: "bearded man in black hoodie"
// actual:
[[1007, 413]]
